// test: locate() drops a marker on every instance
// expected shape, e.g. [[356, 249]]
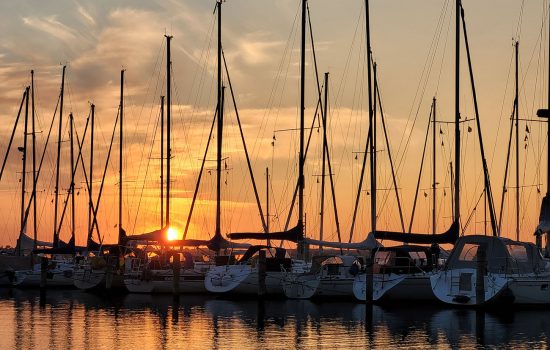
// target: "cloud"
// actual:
[[51, 26], [82, 11], [256, 49]]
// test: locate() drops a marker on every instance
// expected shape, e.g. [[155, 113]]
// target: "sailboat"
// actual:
[[102, 266], [11, 263], [163, 273], [491, 269], [245, 276], [60, 268]]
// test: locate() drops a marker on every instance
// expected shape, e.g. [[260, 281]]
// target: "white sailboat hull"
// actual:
[[92, 279], [310, 286], [301, 286], [162, 281], [458, 287], [60, 277], [380, 285], [242, 279]]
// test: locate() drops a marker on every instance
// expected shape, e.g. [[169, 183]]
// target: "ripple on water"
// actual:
[[78, 320]]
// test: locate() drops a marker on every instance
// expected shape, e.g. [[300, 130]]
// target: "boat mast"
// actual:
[[545, 207], [220, 124], [516, 107], [267, 203], [161, 162], [434, 172], [120, 128], [548, 133], [371, 124], [301, 182], [24, 151], [548, 138], [168, 126], [60, 130], [71, 189], [90, 189], [456, 215], [33, 160], [324, 158]]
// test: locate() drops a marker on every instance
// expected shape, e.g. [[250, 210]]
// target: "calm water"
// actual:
[[79, 320]]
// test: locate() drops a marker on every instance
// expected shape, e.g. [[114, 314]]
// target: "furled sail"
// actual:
[[448, 237], [295, 234], [26, 243], [369, 243], [215, 243], [156, 235], [63, 248]]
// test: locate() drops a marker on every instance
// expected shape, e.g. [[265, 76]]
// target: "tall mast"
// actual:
[[371, 124], [301, 182], [434, 172], [60, 130], [516, 106], [24, 173], [161, 161], [220, 124], [324, 157], [267, 202], [120, 128], [91, 168], [71, 189], [33, 160], [545, 113], [456, 215], [548, 106], [548, 137], [168, 126]]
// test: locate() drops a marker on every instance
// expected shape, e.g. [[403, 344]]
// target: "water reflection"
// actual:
[[79, 320]]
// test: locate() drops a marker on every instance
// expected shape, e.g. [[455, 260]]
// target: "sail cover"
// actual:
[[448, 237], [295, 234], [368, 244], [160, 236], [26, 243], [156, 235]]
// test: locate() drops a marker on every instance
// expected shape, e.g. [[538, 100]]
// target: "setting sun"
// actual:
[[172, 234]]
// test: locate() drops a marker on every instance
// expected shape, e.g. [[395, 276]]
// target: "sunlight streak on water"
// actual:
[[78, 320]]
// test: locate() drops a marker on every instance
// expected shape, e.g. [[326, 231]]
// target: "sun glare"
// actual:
[[172, 234]]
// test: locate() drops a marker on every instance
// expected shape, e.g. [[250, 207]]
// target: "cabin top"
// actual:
[[503, 255]]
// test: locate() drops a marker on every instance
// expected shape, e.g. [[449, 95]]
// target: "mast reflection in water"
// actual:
[[78, 320]]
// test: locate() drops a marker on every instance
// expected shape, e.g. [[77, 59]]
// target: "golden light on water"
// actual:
[[172, 234]]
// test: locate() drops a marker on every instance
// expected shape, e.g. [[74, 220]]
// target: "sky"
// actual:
[[412, 44]]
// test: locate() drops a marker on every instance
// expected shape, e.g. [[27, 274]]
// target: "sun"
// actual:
[[172, 234]]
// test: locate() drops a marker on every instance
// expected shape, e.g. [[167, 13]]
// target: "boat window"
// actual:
[[469, 252], [384, 258], [518, 252]]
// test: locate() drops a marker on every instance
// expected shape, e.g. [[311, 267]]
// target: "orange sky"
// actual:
[[413, 44]]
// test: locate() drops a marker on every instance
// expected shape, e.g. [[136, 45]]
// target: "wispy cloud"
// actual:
[[86, 16], [51, 26]]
